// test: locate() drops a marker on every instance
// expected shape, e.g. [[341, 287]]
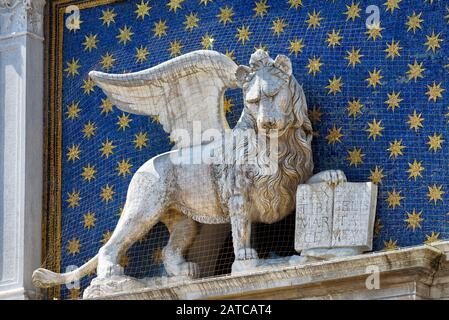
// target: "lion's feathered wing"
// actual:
[[181, 91]]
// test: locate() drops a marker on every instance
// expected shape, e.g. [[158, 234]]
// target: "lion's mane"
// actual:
[[272, 196]]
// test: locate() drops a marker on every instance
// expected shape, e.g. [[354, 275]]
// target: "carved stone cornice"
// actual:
[[18, 16]]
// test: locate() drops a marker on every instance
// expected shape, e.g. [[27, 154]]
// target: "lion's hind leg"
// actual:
[[182, 233], [143, 209]]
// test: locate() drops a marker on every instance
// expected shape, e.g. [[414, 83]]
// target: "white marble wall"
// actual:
[[21, 145]]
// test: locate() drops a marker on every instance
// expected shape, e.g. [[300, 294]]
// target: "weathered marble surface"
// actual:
[[335, 216]]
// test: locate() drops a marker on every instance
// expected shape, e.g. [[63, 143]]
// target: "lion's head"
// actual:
[[268, 90]]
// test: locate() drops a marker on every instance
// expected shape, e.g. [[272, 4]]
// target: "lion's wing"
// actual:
[[180, 92]]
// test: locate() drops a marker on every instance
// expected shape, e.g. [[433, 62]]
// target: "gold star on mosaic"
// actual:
[[160, 28], [73, 153], [394, 199], [378, 226], [355, 157], [88, 173], [89, 220], [261, 8], [243, 34], [376, 175], [414, 219], [415, 169], [108, 16], [230, 54], [432, 238], [315, 115], [107, 61], [374, 31], [207, 41], [228, 104], [106, 106], [435, 142], [295, 4], [123, 167], [124, 35], [433, 42], [73, 110], [107, 193], [393, 100], [333, 38], [106, 236], [314, 65], [396, 149], [262, 47], [175, 48], [415, 71], [353, 57], [414, 22], [89, 129], [374, 78], [225, 15], [393, 49], [90, 42], [191, 21], [142, 54], [334, 135], [143, 9], [390, 245], [435, 193], [353, 11], [73, 247], [205, 2], [314, 20], [72, 67], [88, 86], [155, 119], [296, 46], [74, 23], [107, 148], [415, 121], [73, 199], [391, 5], [435, 91], [174, 5], [354, 108], [334, 85], [140, 140], [374, 129], [278, 26], [123, 121]]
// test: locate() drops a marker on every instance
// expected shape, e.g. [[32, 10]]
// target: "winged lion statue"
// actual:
[[189, 89]]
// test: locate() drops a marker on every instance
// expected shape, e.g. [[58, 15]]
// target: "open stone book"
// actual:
[[338, 216]]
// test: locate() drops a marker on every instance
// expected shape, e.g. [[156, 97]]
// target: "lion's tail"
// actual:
[[44, 278]]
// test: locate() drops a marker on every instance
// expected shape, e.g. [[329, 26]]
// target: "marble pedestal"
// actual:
[[420, 272]]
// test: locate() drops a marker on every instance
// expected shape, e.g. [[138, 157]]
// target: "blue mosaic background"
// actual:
[[413, 190]]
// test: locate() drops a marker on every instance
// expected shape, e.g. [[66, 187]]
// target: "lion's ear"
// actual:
[[283, 62], [241, 74]]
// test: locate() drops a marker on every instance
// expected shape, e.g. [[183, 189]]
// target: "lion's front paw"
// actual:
[[333, 176], [246, 254]]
